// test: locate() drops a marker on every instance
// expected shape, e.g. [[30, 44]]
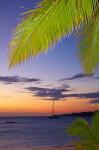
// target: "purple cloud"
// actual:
[[54, 93], [17, 79], [77, 76]]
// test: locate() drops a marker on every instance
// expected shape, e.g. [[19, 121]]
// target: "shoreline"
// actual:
[[65, 147]]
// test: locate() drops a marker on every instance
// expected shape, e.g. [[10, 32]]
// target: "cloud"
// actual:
[[96, 78], [84, 95], [91, 95], [78, 76], [59, 93], [17, 79], [54, 93], [95, 101]]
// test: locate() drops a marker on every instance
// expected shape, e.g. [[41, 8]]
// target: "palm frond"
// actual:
[[79, 127], [85, 146], [82, 129], [88, 134], [42, 27], [95, 126], [89, 45]]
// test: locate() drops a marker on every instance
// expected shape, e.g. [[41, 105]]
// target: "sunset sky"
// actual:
[[29, 89]]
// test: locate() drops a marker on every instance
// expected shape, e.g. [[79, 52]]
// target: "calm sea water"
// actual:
[[30, 132]]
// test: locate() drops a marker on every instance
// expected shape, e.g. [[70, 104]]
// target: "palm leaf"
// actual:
[[89, 135], [79, 127], [95, 126], [82, 129], [89, 45], [85, 146], [42, 27]]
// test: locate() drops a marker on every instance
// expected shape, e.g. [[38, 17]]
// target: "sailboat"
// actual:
[[53, 111]]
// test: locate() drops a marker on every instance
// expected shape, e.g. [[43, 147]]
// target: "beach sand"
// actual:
[[56, 148]]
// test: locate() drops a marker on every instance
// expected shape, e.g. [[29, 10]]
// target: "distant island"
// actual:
[[81, 114]]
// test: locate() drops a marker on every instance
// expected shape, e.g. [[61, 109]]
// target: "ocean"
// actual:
[[25, 133]]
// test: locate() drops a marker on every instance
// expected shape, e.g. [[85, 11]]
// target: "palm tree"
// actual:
[[88, 134], [51, 20]]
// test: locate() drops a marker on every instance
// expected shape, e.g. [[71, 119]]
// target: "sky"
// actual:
[[29, 89]]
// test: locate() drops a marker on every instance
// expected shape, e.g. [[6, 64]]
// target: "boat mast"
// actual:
[[53, 108]]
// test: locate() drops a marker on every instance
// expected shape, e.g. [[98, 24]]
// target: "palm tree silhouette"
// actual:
[[88, 134], [51, 20]]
